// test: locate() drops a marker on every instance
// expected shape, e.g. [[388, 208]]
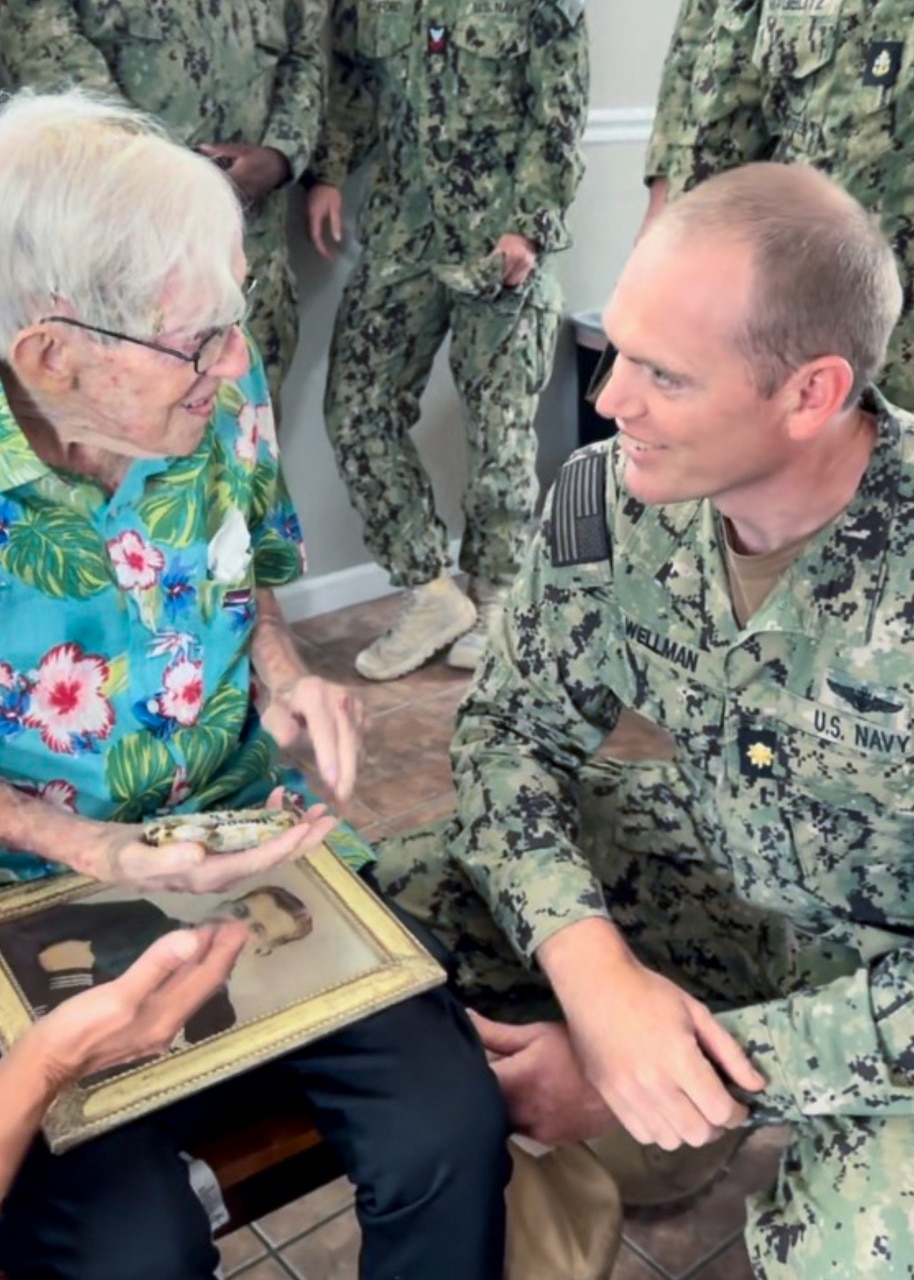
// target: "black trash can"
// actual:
[[590, 342]]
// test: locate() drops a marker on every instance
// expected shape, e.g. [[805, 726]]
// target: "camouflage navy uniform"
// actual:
[[767, 866], [820, 81], [248, 72], [471, 112]]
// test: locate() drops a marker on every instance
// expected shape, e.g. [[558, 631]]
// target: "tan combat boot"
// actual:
[[432, 617], [467, 651]]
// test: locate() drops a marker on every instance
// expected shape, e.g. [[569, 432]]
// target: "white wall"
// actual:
[[628, 42]]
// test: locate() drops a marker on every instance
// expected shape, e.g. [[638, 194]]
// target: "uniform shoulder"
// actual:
[[578, 529]]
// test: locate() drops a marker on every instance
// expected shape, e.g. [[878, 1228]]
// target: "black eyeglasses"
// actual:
[[205, 356]]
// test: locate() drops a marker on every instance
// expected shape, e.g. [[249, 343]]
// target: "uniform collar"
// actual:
[[835, 584]]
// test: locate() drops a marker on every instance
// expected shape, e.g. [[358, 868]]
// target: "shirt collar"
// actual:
[[19, 463]]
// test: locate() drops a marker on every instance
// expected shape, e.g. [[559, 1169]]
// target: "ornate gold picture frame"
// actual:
[[325, 951]]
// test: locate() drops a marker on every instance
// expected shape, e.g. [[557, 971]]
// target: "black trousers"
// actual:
[[404, 1097]]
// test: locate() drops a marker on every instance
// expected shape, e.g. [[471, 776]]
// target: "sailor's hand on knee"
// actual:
[[547, 1094], [661, 1062]]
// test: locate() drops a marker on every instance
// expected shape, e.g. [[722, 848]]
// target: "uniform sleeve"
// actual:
[[349, 127], [710, 113], [298, 88], [550, 164], [844, 1049], [43, 45], [535, 715]]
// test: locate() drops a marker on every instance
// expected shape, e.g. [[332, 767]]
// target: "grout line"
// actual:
[[309, 1231], [289, 1268], [647, 1259], [714, 1253]]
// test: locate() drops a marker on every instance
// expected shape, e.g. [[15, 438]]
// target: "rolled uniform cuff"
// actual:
[[536, 923], [545, 228], [753, 1028], [295, 150], [677, 164]]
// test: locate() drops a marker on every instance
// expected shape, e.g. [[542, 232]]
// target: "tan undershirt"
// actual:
[[752, 578]]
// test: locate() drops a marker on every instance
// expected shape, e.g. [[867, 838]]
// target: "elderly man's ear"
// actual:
[[42, 359], [816, 394]]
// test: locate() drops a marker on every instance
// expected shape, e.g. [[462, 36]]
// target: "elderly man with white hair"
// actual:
[[143, 526]]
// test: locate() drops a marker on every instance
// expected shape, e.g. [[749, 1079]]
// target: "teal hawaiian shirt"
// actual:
[[126, 620]]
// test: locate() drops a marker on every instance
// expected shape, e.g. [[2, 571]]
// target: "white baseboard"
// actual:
[[618, 124], [311, 596]]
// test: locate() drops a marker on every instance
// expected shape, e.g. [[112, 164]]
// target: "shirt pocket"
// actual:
[[492, 49], [794, 45], [845, 760], [383, 29]]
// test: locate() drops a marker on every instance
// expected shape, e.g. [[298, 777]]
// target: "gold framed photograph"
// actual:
[[324, 951]]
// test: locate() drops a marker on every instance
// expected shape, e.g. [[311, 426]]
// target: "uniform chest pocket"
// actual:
[[493, 35], [383, 28], [793, 45], [861, 761]]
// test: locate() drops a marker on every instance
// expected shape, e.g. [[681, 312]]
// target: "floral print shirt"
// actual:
[[126, 620]]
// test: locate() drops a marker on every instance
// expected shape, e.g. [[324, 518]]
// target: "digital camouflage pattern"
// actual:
[[391, 321], [824, 82], [767, 865], [471, 114], [230, 72]]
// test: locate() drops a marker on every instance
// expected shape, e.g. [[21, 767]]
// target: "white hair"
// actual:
[[100, 211]]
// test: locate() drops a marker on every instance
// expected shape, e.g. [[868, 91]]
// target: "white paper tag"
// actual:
[[207, 1190]]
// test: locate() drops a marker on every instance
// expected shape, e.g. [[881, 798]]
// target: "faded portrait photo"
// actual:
[[299, 946]]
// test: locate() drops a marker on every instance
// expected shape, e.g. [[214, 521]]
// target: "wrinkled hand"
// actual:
[[328, 715], [547, 1094], [255, 171], [324, 217], [138, 1014], [518, 256], [120, 856], [649, 1048]]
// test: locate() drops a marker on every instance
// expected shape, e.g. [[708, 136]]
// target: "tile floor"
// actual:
[[405, 782]]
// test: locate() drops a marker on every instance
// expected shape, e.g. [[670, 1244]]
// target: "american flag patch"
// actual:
[[579, 533]]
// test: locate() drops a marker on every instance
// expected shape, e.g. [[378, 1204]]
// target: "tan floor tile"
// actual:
[[733, 1264], [329, 1253], [306, 1213], [409, 734], [266, 1270], [375, 832], [630, 1267], [238, 1248], [432, 810], [391, 796]]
